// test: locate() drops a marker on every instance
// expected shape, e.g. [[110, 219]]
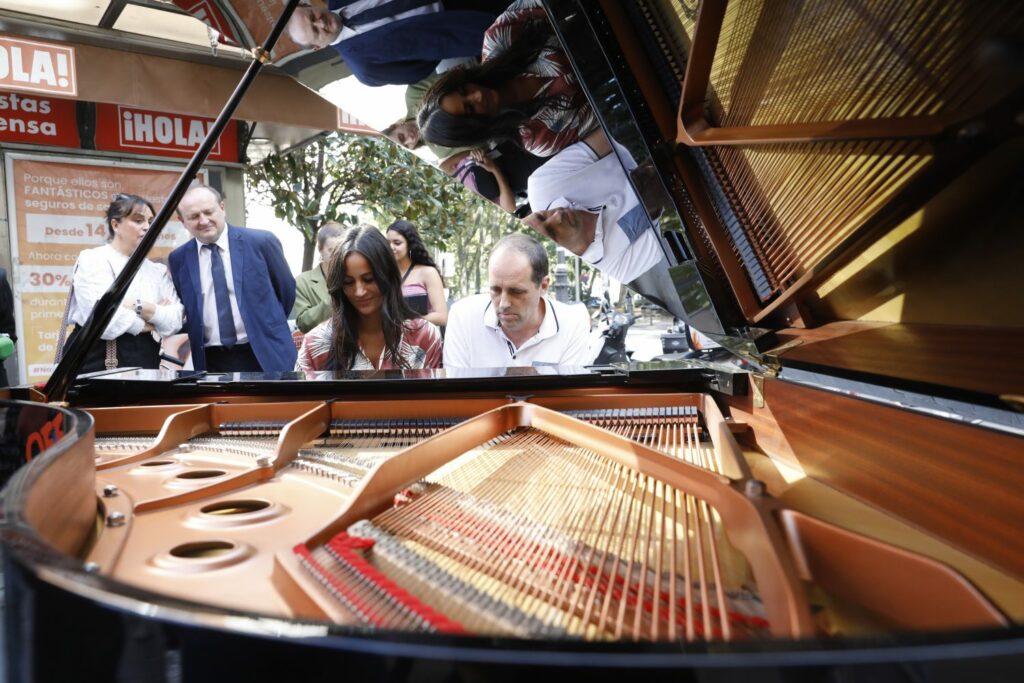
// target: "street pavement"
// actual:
[[644, 338]]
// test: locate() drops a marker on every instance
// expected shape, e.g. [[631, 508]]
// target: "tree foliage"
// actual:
[[348, 179]]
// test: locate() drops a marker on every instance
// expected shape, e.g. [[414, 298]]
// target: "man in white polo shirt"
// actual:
[[516, 325]]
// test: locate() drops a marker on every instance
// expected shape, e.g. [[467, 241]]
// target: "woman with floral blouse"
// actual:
[[371, 327]]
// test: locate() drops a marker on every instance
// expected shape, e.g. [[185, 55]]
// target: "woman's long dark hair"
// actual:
[[367, 241], [441, 128], [121, 207], [418, 253]]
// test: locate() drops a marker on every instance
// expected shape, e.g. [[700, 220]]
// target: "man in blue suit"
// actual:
[[395, 41], [236, 288]]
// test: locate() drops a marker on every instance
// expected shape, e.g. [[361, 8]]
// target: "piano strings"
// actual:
[[560, 538]]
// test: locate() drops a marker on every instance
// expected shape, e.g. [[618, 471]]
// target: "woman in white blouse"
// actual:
[[150, 309]]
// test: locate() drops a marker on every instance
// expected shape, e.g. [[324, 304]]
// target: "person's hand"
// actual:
[[480, 157], [148, 310], [148, 327]]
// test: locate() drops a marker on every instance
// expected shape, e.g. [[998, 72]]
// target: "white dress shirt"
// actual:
[[474, 338], [95, 272], [211, 324]]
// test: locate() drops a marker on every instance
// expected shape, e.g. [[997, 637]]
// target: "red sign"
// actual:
[[37, 120], [37, 67], [128, 129]]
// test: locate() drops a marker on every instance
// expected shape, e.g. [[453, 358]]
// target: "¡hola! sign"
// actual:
[[37, 67], [128, 129]]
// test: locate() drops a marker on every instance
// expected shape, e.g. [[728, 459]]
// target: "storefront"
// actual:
[[69, 142]]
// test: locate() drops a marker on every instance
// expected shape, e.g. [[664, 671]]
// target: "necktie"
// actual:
[[384, 11], [225, 320]]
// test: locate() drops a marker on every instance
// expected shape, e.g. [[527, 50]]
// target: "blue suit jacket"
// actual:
[[408, 50], [264, 290]]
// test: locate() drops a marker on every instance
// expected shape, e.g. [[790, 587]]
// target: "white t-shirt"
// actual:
[[624, 247], [474, 338]]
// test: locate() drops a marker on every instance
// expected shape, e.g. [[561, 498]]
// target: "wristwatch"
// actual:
[[138, 307]]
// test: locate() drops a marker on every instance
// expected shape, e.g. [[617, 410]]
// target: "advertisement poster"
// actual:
[[56, 209], [33, 66]]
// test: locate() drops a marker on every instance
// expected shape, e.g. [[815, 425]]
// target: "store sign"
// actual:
[[128, 129], [57, 210], [31, 66], [37, 120]]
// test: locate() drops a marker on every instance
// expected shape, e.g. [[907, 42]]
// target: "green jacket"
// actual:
[[312, 302]]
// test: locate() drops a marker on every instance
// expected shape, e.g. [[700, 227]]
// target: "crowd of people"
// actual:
[[495, 98], [374, 302]]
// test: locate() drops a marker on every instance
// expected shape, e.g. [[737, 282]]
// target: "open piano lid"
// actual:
[[845, 177], [831, 183]]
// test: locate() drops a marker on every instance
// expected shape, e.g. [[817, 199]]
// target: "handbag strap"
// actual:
[[110, 360], [58, 353]]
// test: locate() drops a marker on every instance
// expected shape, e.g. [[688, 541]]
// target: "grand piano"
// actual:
[[833, 190]]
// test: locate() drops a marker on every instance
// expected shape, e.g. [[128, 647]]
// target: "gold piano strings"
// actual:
[[114, 447], [573, 541], [798, 202], [354, 447], [673, 430]]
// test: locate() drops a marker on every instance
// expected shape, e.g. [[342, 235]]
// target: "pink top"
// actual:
[[416, 296], [421, 347]]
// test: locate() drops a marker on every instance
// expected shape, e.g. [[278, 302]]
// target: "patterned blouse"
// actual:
[[420, 347], [569, 116]]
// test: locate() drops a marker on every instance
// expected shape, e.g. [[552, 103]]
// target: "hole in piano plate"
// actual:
[[235, 507], [201, 474], [237, 512], [203, 556], [202, 549], [157, 463]]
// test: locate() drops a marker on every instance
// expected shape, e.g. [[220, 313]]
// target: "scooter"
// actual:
[[611, 334]]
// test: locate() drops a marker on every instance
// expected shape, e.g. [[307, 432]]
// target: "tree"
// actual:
[[346, 178]]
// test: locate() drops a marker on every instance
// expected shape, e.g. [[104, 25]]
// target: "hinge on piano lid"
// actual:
[[757, 389], [770, 367], [1014, 401], [770, 358]]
